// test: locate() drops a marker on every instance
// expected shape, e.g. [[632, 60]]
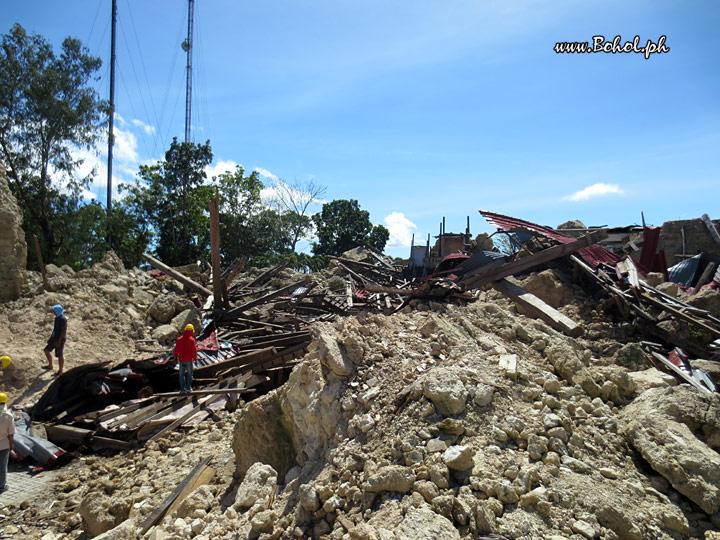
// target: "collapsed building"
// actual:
[[526, 396]]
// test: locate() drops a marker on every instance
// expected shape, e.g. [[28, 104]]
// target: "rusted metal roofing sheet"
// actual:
[[593, 255]]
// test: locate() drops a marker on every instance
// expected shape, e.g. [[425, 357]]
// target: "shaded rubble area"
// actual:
[[547, 395]]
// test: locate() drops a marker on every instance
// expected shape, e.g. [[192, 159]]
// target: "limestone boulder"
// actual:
[[446, 391], [127, 530], [13, 249], [259, 483], [189, 316], [310, 404], [707, 299], [165, 334], [423, 523], [651, 378], [162, 308], [100, 513], [261, 434], [631, 356], [200, 499], [700, 412], [670, 448], [548, 287], [391, 478], [330, 352], [459, 458]]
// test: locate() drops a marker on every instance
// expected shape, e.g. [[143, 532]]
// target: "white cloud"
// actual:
[[596, 190], [219, 168], [400, 229], [125, 147], [266, 174], [145, 127]]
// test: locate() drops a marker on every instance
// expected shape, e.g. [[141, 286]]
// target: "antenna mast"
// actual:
[[187, 47], [111, 114]]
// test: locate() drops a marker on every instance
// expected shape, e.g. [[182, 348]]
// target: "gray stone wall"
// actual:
[[13, 250], [697, 239]]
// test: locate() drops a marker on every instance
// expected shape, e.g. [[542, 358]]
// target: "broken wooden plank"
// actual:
[[265, 275], [537, 308], [184, 418], [217, 280], [705, 277], [161, 510], [177, 275], [62, 434], [390, 290], [263, 299], [215, 391], [235, 361], [680, 314], [484, 275], [107, 442]]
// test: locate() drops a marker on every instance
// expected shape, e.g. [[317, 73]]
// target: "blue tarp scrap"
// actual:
[[684, 272]]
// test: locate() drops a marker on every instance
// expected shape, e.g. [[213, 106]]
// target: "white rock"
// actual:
[[259, 482], [459, 458]]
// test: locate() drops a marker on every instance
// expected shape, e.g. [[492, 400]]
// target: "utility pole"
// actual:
[[111, 114], [187, 47]]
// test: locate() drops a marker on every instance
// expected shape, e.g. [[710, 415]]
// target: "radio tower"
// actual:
[[187, 47]]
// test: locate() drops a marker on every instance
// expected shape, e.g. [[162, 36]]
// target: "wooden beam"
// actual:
[[217, 280], [705, 277], [177, 275], [537, 308], [267, 274], [680, 314], [161, 510], [184, 418], [205, 392], [484, 276], [263, 299], [235, 361]]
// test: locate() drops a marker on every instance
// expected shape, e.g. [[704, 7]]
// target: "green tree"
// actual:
[[47, 109], [341, 226], [171, 199]]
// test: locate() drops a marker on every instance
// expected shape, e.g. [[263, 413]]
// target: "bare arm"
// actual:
[[11, 440]]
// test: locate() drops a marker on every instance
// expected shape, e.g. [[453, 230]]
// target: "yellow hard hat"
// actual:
[[6, 361], [3, 398], [189, 327]]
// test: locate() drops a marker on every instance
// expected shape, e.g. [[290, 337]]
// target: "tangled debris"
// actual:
[[452, 415]]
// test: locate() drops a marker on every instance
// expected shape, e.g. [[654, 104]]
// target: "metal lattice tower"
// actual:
[[187, 47]]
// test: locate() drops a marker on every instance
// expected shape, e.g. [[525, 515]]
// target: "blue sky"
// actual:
[[424, 109]]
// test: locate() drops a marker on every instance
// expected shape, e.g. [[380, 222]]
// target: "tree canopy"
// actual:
[[47, 108], [342, 225]]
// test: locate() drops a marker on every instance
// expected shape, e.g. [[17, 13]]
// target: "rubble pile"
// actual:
[[443, 419], [500, 400]]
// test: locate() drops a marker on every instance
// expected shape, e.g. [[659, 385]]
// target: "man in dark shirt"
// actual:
[[57, 339]]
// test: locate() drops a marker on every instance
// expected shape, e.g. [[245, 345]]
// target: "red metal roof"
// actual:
[[593, 255]]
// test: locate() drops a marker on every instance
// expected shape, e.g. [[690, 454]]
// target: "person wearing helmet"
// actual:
[[5, 361], [186, 353], [7, 430], [57, 339]]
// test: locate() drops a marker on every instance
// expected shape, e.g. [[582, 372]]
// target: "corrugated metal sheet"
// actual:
[[476, 261], [593, 255]]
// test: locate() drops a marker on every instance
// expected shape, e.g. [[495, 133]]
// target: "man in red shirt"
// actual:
[[186, 353]]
